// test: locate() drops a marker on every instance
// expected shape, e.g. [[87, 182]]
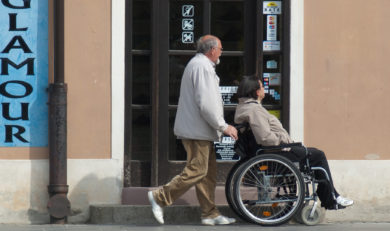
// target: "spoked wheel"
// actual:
[[268, 190]]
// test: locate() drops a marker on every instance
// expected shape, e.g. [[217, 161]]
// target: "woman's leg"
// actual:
[[317, 158]]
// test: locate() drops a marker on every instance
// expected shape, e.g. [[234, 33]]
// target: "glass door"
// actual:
[[161, 38]]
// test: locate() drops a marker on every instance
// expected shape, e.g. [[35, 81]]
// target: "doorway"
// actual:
[[160, 40]]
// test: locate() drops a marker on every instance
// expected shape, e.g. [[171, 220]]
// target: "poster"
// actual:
[[24, 73], [224, 150]]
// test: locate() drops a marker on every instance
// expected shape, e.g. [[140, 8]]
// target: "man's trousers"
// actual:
[[201, 171]]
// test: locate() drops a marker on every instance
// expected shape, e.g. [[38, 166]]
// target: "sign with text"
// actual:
[[227, 93], [224, 150], [24, 73]]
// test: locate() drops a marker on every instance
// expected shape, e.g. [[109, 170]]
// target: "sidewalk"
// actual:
[[241, 227]]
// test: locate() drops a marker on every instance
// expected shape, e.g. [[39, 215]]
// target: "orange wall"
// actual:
[[88, 75], [347, 78]]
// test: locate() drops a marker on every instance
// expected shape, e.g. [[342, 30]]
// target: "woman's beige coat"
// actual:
[[266, 128]]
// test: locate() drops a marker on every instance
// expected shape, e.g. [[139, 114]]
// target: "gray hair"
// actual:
[[204, 45]]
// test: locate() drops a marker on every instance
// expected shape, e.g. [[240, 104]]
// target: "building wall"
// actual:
[[338, 81], [95, 156], [346, 113]]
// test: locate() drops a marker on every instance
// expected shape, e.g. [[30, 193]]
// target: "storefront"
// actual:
[[324, 63], [160, 40]]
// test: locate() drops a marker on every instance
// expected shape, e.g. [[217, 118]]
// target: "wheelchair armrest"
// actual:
[[282, 146], [243, 125]]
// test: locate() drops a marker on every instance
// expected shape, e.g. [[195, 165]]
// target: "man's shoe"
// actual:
[[344, 201], [156, 209], [220, 220]]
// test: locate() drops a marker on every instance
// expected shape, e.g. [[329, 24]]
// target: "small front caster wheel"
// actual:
[[317, 217]]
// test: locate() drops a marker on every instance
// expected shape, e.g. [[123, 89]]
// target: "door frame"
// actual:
[[160, 104]]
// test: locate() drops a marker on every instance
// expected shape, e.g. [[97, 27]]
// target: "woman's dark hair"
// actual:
[[248, 87]]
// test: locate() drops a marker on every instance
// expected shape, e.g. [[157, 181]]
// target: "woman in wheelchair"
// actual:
[[268, 131]]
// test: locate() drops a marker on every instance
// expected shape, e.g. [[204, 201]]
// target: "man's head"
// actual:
[[211, 47]]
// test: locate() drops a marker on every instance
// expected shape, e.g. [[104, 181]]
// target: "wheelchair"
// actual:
[[265, 188]]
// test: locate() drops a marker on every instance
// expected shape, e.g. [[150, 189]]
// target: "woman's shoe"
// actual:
[[344, 201]]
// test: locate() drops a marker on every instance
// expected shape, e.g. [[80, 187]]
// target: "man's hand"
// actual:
[[231, 131]]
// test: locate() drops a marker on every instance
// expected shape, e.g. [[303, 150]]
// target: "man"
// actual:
[[199, 122]]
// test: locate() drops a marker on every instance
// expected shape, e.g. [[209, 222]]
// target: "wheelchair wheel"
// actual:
[[229, 188], [317, 217], [268, 190]]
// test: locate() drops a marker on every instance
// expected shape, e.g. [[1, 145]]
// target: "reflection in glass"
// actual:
[[141, 24], [141, 80], [229, 116], [176, 149], [185, 24], [141, 135], [230, 72], [176, 69], [227, 23]]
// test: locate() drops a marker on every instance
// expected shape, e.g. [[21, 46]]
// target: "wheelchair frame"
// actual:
[[281, 209]]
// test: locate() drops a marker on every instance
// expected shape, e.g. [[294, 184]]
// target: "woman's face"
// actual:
[[260, 92]]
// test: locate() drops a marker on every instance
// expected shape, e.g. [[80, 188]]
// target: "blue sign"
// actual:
[[23, 73]]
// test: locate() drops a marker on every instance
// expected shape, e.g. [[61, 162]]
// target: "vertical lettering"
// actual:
[[9, 134], [5, 62], [22, 45], [13, 23], [3, 89], [23, 109], [26, 4]]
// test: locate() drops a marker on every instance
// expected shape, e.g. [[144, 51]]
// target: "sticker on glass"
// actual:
[[187, 10], [225, 150], [274, 79], [272, 7], [228, 89], [227, 93], [187, 37], [271, 45], [265, 84], [187, 24], [272, 64], [271, 27]]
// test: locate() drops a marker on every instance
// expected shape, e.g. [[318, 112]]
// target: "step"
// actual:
[[142, 214], [138, 196]]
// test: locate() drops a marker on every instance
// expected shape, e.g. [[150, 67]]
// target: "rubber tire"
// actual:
[[268, 157], [317, 218], [229, 188]]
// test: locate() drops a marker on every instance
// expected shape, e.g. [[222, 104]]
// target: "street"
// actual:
[[289, 227]]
